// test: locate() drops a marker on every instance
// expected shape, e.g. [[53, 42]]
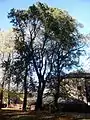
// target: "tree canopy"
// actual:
[[47, 42]]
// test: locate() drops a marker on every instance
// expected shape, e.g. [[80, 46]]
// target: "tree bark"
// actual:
[[56, 96], [25, 91], [39, 100], [1, 94], [86, 91], [8, 93], [41, 88]]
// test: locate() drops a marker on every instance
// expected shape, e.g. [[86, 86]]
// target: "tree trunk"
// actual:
[[40, 95], [39, 100], [56, 96], [17, 86], [8, 93], [25, 91], [86, 91], [1, 94]]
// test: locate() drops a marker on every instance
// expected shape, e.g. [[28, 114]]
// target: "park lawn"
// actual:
[[50, 117], [24, 118], [19, 115], [42, 118]]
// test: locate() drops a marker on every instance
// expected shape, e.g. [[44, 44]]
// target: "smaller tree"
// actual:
[[6, 49]]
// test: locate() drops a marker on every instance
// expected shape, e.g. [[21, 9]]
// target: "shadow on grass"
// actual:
[[42, 118], [24, 118], [19, 115]]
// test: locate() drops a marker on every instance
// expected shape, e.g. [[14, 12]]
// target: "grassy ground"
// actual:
[[19, 115]]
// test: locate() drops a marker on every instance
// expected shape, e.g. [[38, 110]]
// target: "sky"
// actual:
[[79, 9]]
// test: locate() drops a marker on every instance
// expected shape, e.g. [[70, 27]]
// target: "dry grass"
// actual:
[[9, 114]]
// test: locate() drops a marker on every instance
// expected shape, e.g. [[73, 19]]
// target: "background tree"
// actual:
[[6, 49], [66, 49]]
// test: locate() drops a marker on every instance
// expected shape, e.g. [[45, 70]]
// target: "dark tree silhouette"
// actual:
[[48, 39]]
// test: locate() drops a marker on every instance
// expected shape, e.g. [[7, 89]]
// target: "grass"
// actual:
[[40, 118], [24, 118], [19, 115]]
